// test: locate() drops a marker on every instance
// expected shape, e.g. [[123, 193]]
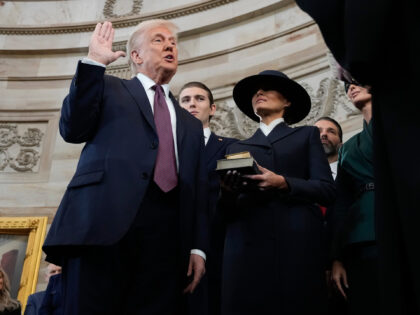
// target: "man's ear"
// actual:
[[135, 57], [212, 109]]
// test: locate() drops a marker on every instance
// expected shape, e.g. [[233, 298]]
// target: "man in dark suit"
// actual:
[[48, 301], [377, 42], [332, 139], [132, 224], [273, 259], [197, 98]]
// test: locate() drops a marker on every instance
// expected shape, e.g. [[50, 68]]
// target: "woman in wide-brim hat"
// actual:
[[274, 260]]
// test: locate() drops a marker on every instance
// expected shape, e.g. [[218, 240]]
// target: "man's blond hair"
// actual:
[[137, 36]]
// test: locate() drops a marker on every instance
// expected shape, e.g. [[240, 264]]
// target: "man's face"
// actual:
[[51, 271], [329, 137], [157, 56], [197, 102]]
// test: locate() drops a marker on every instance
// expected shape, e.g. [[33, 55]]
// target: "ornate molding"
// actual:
[[118, 22], [19, 153], [20, 223], [231, 122], [108, 10], [329, 96]]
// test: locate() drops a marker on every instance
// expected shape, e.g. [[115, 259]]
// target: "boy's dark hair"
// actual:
[[198, 85]]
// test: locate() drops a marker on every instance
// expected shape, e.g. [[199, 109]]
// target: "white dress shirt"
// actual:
[[266, 129], [147, 85], [333, 167], [207, 134]]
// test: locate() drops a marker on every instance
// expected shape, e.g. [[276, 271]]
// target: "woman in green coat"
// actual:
[[354, 250]]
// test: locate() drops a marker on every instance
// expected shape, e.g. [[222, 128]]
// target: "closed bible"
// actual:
[[242, 162]]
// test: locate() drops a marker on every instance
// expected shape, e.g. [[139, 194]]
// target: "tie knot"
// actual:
[[158, 89]]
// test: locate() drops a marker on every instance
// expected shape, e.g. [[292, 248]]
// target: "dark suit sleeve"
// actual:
[[30, 306], [81, 107], [339, 211], [51, 303], [202, 219], [319, 187], [226, 205]]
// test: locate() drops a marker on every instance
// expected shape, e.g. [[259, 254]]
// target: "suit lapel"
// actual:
[[136, 89], [213, 146], [279, 132], [258, 139]]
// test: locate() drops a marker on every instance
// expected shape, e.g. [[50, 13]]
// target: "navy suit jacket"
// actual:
[[46, 302], [274, 241], [34, 303], [115, 119], [215, 150], [206, 298]]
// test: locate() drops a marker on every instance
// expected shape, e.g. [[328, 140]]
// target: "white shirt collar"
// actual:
[[207, 133], [333, 167], [266, 129], [148, 83]]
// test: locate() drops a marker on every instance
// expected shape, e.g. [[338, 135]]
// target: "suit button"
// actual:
[[154, 145], [144, 175]]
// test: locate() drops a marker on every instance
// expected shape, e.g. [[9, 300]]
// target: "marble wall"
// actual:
[[220, 42]]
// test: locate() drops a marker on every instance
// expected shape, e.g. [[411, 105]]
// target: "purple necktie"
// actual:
[[165, 175]]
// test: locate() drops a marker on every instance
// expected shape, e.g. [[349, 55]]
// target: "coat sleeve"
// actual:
[[81, 107], [202, 215], [319, 186], [340, 211]]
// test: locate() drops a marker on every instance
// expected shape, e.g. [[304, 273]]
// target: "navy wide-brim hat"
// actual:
[[300, 102]]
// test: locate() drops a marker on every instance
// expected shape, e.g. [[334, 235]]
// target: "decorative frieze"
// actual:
[[117, 22], [26, 145], [20, 146], [108, 10]]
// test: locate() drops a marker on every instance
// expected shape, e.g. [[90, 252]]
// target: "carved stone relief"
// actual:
[[229, 121], [327, 100], [109, 9], [20, 146]]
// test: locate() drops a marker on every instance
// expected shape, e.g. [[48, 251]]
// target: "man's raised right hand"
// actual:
[[100, 46]]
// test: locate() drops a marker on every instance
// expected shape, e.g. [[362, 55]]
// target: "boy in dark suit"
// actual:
[[197, 98]]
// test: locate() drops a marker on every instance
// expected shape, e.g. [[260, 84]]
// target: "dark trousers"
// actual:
[[138, 275]]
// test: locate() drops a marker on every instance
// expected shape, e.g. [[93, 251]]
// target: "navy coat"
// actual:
[[114, 118], [274, 261]]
